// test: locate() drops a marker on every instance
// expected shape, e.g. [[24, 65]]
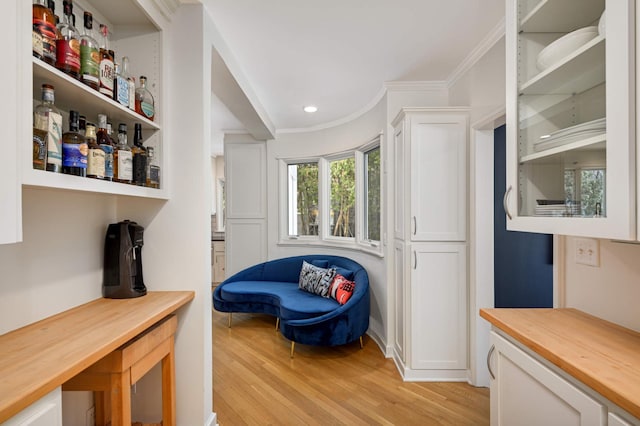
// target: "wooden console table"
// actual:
[[36, 359]]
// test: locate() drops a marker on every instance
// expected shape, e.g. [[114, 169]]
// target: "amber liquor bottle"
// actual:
[[74, 148], [107, 70], [139, 157], [145, 105], [68, 45], [96, 155], [153, 170], [106, 145], [44, 32], [122, 157]]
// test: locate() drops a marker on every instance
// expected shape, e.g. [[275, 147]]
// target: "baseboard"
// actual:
[[410, 375], [212, 420], [376, 336]]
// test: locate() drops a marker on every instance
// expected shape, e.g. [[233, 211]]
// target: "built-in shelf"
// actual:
[[556, 154], [553, 16], [580, 71], [44, 179], [72, 94]]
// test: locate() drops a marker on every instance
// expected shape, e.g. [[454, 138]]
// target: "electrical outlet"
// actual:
[[587, 251], [91, 416]]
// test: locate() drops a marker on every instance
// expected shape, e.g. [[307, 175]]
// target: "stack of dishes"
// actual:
[[554, 208], [564, 46], [571, 134]]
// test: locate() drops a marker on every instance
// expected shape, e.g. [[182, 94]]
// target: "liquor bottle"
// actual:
[[106, 63], [74, 148], [52, 5], [153, 170], [139, 157], [89, 55], [144, 100], [68, 45], [82, 125], [44, 32], [106, 145], [131, 82], [122, 157], [96, 155], [46, 117], [120, 87]]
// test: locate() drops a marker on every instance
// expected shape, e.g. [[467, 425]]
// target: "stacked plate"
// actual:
[[564, 46], [554, 208], [571, 134]]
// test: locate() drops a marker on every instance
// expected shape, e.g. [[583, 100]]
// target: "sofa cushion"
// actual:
[[315, 280], [341, 289], [292, 302], [347, 273]]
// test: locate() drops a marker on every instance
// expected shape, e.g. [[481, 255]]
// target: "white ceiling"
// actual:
[[337, 54]]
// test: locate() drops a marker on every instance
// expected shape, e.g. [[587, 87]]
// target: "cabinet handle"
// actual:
[[415, 260], [505, 202], [493, 348], [415, 225]]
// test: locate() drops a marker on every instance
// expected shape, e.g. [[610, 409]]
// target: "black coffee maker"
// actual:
[[123, 261]]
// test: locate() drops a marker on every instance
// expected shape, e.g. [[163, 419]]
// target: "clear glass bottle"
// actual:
[[153, 170], [120, 87], [106, 63], [123, 158], [47, 118], [145, 104], [74, 148], [89, 55], [96, 156], [44, 32], [131, 82], [68, 45], [139, 157], [103, 138], [82, 125]]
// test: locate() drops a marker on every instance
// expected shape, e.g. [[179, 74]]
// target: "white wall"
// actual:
[[610, 291]]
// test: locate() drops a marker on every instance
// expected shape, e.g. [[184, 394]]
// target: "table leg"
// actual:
[[121, 398], [169, 388]]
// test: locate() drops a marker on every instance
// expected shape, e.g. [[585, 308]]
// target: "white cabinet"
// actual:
[[47, 411], [431, 174], [439, 308], [525, 391], [430, 250], [570, 119], [217, 261]]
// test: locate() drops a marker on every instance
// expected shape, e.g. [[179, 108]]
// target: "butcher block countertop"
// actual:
[[37, 358], [602, 355]]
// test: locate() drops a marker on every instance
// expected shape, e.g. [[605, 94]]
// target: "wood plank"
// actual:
[[37, 358], [255, 382], [602, 355]]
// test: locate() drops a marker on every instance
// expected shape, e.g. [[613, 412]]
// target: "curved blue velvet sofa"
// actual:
[[272, 288]]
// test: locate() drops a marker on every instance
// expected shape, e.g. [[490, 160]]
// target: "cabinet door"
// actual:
[[526, 393], [438, 177], [47, 411], [439, 306], [399, 302], [570, 123]]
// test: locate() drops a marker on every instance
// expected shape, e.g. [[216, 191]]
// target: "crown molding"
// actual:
[[415, 86], [478, 52]]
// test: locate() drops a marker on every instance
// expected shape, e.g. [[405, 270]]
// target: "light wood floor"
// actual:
[[255, 382]]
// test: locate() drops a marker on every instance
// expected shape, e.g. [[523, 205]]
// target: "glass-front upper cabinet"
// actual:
[[571, 117]]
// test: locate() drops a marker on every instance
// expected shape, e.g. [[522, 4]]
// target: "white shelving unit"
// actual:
[[596, 81]]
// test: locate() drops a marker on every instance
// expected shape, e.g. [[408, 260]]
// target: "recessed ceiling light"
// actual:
[[310, 108]]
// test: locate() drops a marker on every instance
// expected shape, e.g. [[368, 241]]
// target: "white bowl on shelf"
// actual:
[[564, 46]]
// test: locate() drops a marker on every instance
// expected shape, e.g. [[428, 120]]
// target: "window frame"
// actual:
[[324, 238]]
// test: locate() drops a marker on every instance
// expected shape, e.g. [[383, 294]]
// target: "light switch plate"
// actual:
[[587, 251]]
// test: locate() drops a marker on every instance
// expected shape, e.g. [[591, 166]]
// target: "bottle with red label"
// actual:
[[44, 32], [68, 46], [107, 71]]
